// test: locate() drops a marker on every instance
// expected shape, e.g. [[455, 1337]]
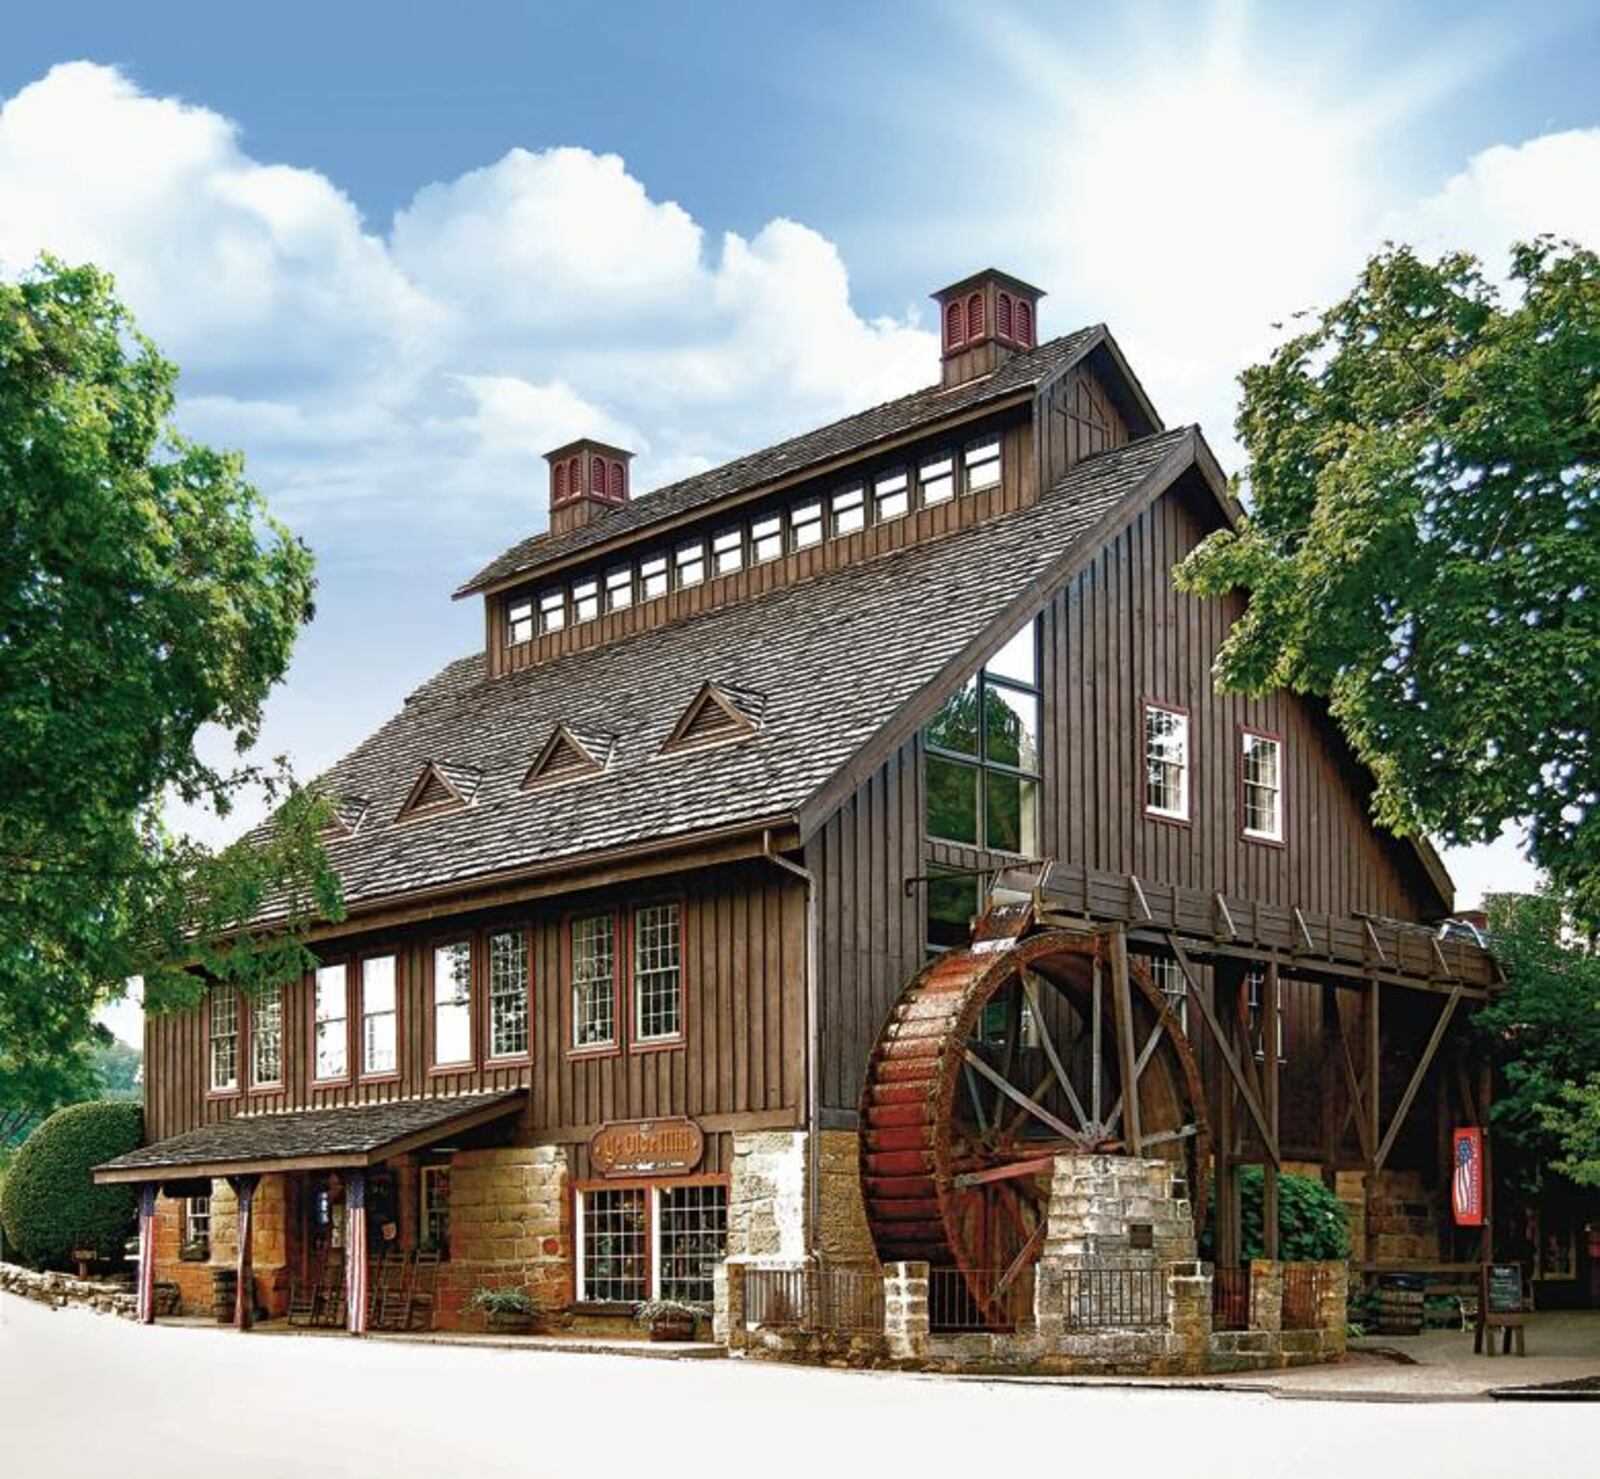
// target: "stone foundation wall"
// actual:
[[510, 1226], [843, 1234], [767, 1196], [269, 1247], [61, 1290]]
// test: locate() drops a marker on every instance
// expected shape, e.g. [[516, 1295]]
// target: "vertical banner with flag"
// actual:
[[355, 1252], [145, 1296], [1466, 1185]]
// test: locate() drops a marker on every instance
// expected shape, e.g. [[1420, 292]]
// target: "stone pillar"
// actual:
[[905, 1310], [767, 1196], [727, 1315], [843, 1236], [1189, 1314], [1333, 1295], [1266, 1295]]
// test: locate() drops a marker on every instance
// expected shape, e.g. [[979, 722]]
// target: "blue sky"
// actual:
[[402, 249]]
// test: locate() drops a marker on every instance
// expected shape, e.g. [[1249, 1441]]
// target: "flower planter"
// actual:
[[510, 1322], [672, 1327]]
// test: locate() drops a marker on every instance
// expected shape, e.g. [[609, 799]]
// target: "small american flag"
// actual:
[[355, 1253], [1466, 1187], [145, 1299]]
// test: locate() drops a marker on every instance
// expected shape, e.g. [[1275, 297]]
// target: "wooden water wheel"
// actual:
[[997, 1058]]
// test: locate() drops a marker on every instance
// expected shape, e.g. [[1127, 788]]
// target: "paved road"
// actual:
[[90, 1397]]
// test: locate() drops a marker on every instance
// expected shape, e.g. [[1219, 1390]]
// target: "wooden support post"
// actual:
[[1485, 1097], [1226, 1176], [1374, 1074], [1417, 1076], [1127, 1050], [244, 1299], [1332, 1123], [1269, 1050]]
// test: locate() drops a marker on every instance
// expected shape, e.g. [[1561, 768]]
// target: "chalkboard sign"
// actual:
[[1505, 1288]]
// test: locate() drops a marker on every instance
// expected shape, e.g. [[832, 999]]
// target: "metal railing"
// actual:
[[1114, 1298], [776, 1298], [845, 1301], [1230, 1299], [983, 1300], [1303, 1287]]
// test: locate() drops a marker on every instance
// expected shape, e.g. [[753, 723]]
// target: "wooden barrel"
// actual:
[[1400, 1304], [224, 1294]]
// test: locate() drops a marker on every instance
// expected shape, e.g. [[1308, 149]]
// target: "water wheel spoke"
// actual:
[[1146, 1053], [976, 1095], [1015, 1122], [1030, 985], [1012, 1092], [1164, 1137]]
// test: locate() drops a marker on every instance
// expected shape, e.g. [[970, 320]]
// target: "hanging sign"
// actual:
[[1466, 1185], [667, 1147]]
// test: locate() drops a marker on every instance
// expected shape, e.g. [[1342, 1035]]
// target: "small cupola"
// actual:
[[983, 320], [587, 480]]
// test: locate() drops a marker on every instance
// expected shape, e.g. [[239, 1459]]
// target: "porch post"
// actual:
[[145, 1299], [355, 1251], [244, 1300]]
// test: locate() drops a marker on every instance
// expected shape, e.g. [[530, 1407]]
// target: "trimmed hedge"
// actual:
[[50, 1204], [1312, 1222]]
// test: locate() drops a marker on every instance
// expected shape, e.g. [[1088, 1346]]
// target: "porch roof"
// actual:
[[309, 1139]]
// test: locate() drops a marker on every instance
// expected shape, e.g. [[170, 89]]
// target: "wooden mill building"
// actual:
[[634, 888]]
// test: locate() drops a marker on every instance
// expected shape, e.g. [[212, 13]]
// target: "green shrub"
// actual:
[[50, 1204], [1312, 1222]]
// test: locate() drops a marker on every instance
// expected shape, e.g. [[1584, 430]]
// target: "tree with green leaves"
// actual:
[[1423, 545], [145, 597]]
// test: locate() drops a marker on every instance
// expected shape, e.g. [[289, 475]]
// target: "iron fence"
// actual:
[[1114, 1298], [847, 1301], [1303, 1287], [984, 1299], [1230, 1299]]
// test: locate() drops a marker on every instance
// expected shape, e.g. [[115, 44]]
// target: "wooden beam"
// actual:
[[1220, 906], [1374, 1064], [1304, 928], [1356, 1091], [1139, 898], [1417, 1075], [1060, 1126], [1127, 1063], [1269, 1048]]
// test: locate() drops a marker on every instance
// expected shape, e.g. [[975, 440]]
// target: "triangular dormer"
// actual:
[[440, 788], [718, 713], [348, 814], [568, 755]]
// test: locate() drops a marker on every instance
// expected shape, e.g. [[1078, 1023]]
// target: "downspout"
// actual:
[[813, 945]]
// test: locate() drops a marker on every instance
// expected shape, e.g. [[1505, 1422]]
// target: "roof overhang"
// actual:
[[350, 1138]]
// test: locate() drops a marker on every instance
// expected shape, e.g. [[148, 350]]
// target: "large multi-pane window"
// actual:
[[266, 1036], [727, 552], [519, 622], [891, 496], [691, 1240], [689, 564], [594, 981], [615, 1264], [332, 1032], [849, 510], [197, 1223], [586, 600], [657, 975], [653, 578], [766, 538], [982, 461], [452, 1003], [1166, 762], [805, 524], [953, 903], [983, 760], [224, 1040], [508, 994], [619, 589], [1262, 761], [937, 480], [552, 611], [377, 1014], [1168, 977]]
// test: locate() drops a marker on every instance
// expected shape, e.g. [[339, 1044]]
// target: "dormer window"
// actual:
[[619, 589], [849, 510], [805, 524], [586, 600], [552, 611], [653, 578], [891, 496], [727, 552], [983, 464], [689, 562], [937, 479], [519, 622], [766, 539]]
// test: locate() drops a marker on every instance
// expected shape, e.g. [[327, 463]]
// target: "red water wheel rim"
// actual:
[[985, 1071]]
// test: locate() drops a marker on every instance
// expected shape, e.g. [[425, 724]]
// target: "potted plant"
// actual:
[[668, 1319], [195, 1252], [510, 1311]]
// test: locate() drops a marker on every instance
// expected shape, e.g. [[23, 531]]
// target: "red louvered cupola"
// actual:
[[587, 480], [986, 319]]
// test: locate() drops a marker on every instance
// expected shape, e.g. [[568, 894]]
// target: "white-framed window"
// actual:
[[766, 539], [657, 973], [594, 981], [653, 578], [552, 611], [1168, 978], [508, 994], [585, 600], [619, 589], [1261, 759], [727, 552], [849, 510], [1166, 762], [982, 460], [805, 524], [452, 1003], [691, 1239], [1255, 985], [891, 496], [332, 1031], [689, 564], [435, 1223], [266, 1036], [936, 480], [197, 1223], [224, 1043], [519, 621], [378, 1014], [614, 1246]]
